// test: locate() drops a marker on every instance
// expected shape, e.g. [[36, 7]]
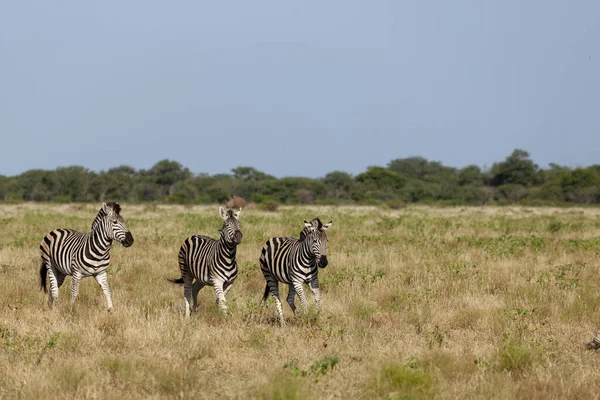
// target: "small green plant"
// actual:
[[318, 368], [49, 345], [402, 381], [322, 366], [555, 226], [514, 356], [567, 275], [516, 312]]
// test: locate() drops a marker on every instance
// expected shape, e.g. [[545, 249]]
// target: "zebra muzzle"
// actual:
[[237, 237], [322, 262], [128, 239]]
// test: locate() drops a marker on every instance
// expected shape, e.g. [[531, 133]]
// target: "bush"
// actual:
[[513, 193], [397, 381], [304, 196], [514, 356], [269, 205], [396, 204]]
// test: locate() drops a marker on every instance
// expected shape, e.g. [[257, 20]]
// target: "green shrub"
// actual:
[[269, 205], [398, 381]]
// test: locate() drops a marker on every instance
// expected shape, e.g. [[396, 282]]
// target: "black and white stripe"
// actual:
[[295, 262], [204, 261], [595, 342], [68, 252]]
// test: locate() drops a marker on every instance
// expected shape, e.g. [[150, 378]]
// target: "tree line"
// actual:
[[517, 179]]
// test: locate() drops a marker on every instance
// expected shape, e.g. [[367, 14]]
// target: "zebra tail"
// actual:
[[266, 294], [43, 276], [177, 281]]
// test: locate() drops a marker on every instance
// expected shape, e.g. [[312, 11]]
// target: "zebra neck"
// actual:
[[100, 242], [228, 250], [307, 257]]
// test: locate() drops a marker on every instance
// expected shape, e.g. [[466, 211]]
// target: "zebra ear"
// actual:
[[237, 215], [222, 212], [307, 224], [327, 226], [106, 208]]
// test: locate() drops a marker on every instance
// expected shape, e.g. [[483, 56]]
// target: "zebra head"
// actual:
[[309, 227], [230, 231], [315, 232], [110, 221]]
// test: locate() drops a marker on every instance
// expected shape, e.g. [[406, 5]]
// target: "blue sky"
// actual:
[[297, 88]]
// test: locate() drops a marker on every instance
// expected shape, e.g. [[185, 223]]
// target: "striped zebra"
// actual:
[[295, 262], [210, 262], [68, 252], [595, 342]]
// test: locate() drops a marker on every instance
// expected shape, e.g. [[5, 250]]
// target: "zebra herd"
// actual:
[[203, 261]]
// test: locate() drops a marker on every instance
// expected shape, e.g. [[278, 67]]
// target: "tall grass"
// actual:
[[418, 302]]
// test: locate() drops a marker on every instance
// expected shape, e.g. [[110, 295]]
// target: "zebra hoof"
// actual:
[[592, 345]]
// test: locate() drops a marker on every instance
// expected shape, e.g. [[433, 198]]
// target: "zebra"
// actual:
[[594, 343], [79, 255], [294, 262], [210, 262]]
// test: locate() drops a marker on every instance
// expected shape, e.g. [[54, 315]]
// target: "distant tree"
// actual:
[[381, 178], [417, 190], [580, 185], [72, 183], [470, 175], [411, 167], [9, 189], [517, 169], [183, 192], [35, 185], [511, 192], [250, 174], [285, 190], [166, 172], [338, 184], [422, 169], [116, 184], [378, 183]]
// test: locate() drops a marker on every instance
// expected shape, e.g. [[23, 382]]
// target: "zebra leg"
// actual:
[[187, 293], [196, 286], [314, 287], [102, 280], [274, 289], [75, 285], [594, 343], [226, 287], [56, 279], [300, 290], [220, 296], [290, 298]]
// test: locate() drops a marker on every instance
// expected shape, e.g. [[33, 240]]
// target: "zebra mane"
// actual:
[[116, 207], [101, 214], [316, 223]]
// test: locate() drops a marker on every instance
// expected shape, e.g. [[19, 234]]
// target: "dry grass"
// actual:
[[417, 303]]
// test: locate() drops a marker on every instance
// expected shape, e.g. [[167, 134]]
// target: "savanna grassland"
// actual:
[[417, 303]]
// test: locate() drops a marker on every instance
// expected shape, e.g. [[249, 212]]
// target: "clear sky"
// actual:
[[297, 88]]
